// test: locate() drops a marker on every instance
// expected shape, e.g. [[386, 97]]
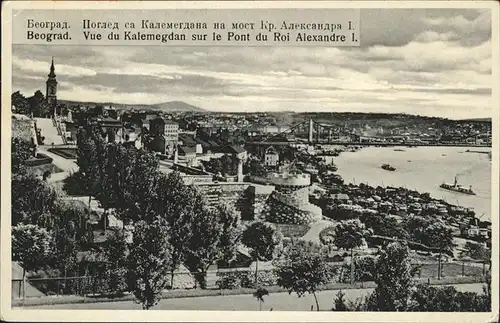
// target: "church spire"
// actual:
[[52, 69]]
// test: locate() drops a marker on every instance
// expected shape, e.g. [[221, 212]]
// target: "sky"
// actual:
[[434, 62]]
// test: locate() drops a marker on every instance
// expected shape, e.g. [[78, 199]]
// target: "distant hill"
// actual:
[[171, 106], [178, 106], [477, 119]]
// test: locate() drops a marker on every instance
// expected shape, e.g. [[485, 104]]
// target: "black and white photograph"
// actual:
[[319, 178]]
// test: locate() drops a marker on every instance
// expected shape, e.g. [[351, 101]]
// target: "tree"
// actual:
[[415, 226], [259, 295], [21, 151], [129, 178], [114, 175], [438, 235], [386, 226], [339, 302], [116, 251], [39, 106], [394, 278], [230, 233], [70, 232], [215, 236], [226, 165], [203, 247], [476, 251], [32, 247], [254, 167], [88, 159], [178, 204], [149, 261], [33, 200], [303, 271], [20, 102], [139, 186], [264, 240], [350, 234]]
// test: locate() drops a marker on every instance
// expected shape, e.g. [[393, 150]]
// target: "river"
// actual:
[[424, 169]]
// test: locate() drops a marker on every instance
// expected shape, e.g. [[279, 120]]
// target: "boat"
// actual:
[[388, 167], [455, 187], [399, 149]]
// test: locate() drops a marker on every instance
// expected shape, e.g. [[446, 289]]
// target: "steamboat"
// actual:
[[455, 187]]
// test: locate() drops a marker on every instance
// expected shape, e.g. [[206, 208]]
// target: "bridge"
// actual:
[[311, 132], [308, 131]]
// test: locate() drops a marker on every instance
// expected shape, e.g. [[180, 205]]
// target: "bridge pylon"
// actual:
[[311, 127]]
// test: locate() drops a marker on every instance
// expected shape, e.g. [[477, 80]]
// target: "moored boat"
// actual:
[[388, 167]]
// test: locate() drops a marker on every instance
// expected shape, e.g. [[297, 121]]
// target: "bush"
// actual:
[[363, 270], [447, 299], [245, 279], [116, 280], [339, 304], [230, 280]]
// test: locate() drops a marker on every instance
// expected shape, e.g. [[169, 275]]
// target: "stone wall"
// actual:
[[279, 212], [294, 197], [262, 202], [247, 198]]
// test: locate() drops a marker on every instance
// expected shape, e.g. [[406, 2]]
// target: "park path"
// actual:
[[314, 231], [67, 165], [275, 301], [49, 131]]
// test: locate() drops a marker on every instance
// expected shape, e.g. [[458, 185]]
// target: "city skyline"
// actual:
[[427, 62]]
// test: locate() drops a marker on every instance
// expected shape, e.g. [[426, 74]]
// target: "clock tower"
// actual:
[[51, 89]]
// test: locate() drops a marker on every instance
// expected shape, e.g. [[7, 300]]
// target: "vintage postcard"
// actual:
[[250, 161]]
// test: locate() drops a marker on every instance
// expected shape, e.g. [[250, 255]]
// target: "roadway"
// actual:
[[274, 301]]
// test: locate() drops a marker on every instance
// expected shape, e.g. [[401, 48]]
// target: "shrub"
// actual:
[[339, 304], [245, 279], [447, 299], [230, 280], [363, 270]]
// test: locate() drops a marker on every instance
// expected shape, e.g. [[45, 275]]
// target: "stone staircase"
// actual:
[[49, 131]]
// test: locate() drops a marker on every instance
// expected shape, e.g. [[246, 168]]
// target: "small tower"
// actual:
[[51, 88]]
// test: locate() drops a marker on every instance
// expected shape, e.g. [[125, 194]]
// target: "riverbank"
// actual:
[[424, 169]]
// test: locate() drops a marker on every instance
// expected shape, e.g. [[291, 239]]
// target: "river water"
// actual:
[[424, 169]]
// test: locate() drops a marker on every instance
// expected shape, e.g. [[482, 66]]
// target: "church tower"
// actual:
[[51, 89]]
